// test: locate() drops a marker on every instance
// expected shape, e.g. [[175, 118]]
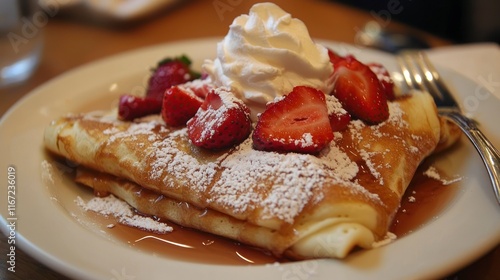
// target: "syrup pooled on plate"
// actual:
[[185, 244], [423, 201]]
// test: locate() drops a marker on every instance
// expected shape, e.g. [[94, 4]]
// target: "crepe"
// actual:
[[299, 205]]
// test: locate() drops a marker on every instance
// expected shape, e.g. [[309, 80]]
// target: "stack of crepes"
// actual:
[[300, 205]]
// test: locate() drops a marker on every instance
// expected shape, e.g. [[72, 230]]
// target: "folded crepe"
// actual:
[[304, 206]]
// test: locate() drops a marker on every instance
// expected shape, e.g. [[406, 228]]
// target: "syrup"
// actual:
[[185, 244], [423, 201]]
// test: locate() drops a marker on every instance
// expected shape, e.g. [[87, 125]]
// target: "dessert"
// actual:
[[279, 157]]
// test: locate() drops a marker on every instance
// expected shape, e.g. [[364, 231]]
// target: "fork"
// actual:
[[419, 73]]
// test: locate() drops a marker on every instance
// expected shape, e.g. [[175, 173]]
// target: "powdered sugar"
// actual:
[[113, 206], [47, 173], [305, 141], [111, 130], [355, 126], [339, 163], [369, 163], [168, 158], [295, 177], [413, 149], [334, 106], [198, 87], [141, 128], [433, 173], [165, 155], [388, 238], [228, 98], [396, 115]]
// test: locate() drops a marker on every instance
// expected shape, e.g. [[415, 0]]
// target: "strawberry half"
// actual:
[[169, 72], [360, 91], [385, 79], [200, 87], [339, 122], [221, 121], [339, 117], [179, 105], [334, 57], [296, 123], [131, 107]]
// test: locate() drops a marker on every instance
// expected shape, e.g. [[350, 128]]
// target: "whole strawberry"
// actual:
[[169, 72], [221, 121]]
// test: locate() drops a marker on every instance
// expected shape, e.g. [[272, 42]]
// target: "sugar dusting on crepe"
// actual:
[[113, 206]]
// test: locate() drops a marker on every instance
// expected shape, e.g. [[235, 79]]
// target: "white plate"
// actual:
[[48, 230]]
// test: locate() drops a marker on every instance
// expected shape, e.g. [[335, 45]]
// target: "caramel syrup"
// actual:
[[186, 244], [423, 201]]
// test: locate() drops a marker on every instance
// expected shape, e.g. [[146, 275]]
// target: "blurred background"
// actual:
[[461, 21], [457, 21]]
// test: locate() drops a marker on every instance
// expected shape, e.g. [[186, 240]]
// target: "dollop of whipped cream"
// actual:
[[265, 54]]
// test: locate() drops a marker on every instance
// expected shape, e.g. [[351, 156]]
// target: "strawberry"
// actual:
[[384, 78], [339, 117], [131, 107], [334, 57], [221, 121], [339, 122], [297, 122], [169, 72], [179, 105], [360, 91], [200, 87]]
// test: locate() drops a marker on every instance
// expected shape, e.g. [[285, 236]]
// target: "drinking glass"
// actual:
[[21, 39]]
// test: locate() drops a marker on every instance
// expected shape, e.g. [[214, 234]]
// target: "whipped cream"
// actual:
[[265, 54]]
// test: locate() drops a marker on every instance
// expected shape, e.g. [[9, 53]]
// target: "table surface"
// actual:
[[70, 43]]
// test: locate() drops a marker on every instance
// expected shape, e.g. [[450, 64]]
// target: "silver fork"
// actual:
[[419, 73]]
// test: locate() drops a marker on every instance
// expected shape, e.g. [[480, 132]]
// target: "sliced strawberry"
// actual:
[[131, 107], [339, 122], [200, 87], [334, 57], [385, 78], [339, 117], [179, 105], [296, 123], [221, 122], [360, 91], [169, 72]]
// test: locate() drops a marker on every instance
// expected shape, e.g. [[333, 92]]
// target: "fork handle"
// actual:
[[489, 154]]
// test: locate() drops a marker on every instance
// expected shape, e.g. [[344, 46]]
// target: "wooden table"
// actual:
[[70, 43]]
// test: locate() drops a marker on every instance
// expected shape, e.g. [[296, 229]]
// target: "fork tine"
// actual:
[[433, 80], [405, 70], [412, 72], [420, 73]]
